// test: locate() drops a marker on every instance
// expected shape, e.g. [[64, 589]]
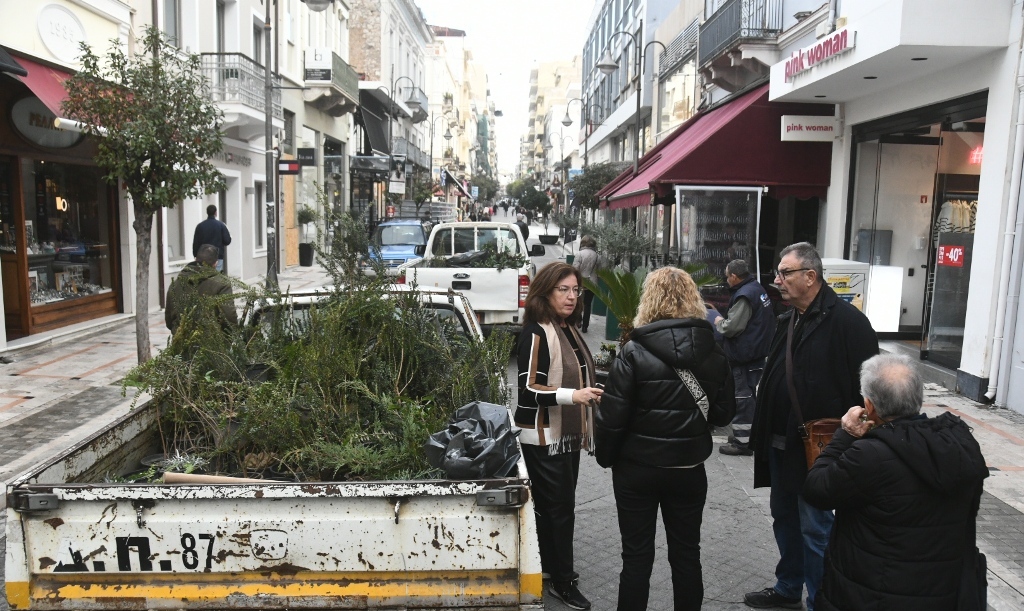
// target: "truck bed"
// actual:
[[73, 543]]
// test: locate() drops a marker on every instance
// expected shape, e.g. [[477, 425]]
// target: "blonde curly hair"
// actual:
[[669, 292]]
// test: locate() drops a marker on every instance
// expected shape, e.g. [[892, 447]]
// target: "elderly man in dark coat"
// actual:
[[197, 280], [830, 340], [906, 490]]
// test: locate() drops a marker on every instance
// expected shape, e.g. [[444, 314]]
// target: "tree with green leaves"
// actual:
[[422, 191], [157, 129], [488, 187], [594, 178]]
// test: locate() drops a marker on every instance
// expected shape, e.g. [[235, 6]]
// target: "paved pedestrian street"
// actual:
[[58, 392]]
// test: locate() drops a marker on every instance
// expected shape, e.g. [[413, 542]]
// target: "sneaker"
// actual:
[[569, 594], [732, 449], [768, 598]]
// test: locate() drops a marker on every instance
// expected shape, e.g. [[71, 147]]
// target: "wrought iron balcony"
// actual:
[[332, 84], [411, 152], [738, 21], [237, 79]]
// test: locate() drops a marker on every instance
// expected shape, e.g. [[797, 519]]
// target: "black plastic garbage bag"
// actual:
[[479, 443], [467, 259]]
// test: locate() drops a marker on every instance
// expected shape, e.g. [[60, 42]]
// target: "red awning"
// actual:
[[46, 82], [738, 143]]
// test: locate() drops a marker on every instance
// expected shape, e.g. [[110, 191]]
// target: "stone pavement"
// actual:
[[65, 386]]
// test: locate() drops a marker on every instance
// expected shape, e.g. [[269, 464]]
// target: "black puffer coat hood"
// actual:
[[941, 451], [647, 415]]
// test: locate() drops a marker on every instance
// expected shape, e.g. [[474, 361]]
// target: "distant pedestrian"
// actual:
[[586, 261], [212, 232], [557, 393], [667, 386], [905, 489], [197, 281], [811, 370], [524, 228], [748, 332]]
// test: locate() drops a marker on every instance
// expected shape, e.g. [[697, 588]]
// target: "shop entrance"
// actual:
[[914, 194]]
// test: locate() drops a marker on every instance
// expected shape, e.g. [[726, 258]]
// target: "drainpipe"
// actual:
[[1013, 227], [833, 7]]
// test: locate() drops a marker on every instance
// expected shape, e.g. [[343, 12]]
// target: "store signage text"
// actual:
[[306, 157], [242, 160], [951, 256], [800, 128], [319, 64], [34, 121], [835, 44]]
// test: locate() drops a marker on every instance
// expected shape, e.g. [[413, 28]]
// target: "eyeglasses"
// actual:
[[784, 273], [562, 290]]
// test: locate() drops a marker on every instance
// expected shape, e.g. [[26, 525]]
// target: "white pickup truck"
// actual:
[[471, 257], [76, 543]]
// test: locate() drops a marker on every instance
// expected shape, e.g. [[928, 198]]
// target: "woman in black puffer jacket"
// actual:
[[651, 429]]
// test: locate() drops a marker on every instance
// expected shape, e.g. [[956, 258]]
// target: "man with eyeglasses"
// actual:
[[830, 340]]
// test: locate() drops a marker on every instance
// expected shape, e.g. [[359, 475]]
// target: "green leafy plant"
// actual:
[[304, 216], [159, 128]]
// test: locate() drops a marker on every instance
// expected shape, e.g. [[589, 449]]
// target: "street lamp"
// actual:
[[561, 160], [270, 185], [567, 121], [607, 65], [447, 137], [412, 103]]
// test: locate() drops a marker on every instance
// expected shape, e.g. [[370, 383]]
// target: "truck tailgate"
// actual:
[[354, 545], [487, 289]]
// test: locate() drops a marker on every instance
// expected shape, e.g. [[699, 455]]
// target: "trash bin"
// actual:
[[305, 254]]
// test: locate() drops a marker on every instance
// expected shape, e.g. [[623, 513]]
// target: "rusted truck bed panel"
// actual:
[[351, 545]]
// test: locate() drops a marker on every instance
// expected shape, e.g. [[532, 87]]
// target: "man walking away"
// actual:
[[825, 339], [200, 279], [906, 490], [212, 232], [524, 228], [586, 261], [748, 332]]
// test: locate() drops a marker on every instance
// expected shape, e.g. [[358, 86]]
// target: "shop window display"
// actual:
[[67, 231]]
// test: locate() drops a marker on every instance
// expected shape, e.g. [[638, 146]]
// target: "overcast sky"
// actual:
[[509, 38]]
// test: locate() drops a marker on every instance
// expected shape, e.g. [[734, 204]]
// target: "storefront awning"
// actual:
[[376, 131], [46, 83], [738, 143], [450, 178], [9, 64]]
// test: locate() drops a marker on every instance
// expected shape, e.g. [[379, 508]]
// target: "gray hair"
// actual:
[[807, 254], [893, 384], [208, 254], [739, 268]]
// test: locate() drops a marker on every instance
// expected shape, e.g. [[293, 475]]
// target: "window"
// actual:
[[257, 42], [221, 19], [259, 209], [175, 218], [172, 22], [288, 139]]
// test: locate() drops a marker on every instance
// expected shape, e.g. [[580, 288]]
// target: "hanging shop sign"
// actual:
[[833, 45], [319, 63], [288, 167], [800, 128], [306, 157], [34, 121]]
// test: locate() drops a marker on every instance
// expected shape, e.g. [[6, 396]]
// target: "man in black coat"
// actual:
[[831, 339], [212, 232], [906, 490]]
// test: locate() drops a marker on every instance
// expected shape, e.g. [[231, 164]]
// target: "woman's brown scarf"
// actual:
[[571, 427]]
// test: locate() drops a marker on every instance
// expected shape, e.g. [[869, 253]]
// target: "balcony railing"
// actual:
[[683, 46], [738, 20], [234, 77], [411, 151]]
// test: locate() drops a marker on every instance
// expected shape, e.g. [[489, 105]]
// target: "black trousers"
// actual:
[[681, 493], [588, 304], [553, 486]]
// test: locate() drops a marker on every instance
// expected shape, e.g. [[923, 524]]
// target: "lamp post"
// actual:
[[585, 108], [447, 137], [607, 65], [412, 103], [270, 184], [561, 159]]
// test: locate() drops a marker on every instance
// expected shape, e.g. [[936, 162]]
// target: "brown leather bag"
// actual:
[[816, 433]]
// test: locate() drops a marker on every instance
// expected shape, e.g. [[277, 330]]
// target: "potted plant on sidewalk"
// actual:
[[305, 216]]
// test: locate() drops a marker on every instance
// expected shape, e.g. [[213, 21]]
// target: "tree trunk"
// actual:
[[144, 246]]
